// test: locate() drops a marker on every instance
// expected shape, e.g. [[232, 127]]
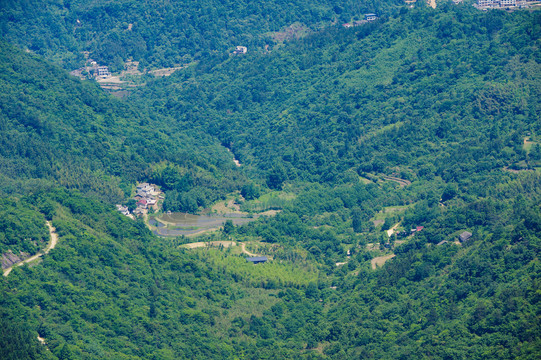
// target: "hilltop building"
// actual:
[[240, 50], [103, 72], [464, 236], [257, 259], [370, 17]]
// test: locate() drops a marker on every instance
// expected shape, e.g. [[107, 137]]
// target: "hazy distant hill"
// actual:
[[162, 34]]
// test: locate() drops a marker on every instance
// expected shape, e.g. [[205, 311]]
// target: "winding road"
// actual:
[[52, 244]]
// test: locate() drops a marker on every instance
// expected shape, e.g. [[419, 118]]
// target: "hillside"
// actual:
[[57, 130], [165, 34], [449, 93]]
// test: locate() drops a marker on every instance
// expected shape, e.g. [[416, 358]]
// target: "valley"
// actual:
[[318, 180]]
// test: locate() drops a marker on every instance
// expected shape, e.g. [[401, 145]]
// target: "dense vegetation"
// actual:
[[164, 33], [448, 93], [427, 120], [58, 130]]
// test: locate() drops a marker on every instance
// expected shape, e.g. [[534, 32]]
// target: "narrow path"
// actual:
[[401, 182], [243, 247], [52, 244]]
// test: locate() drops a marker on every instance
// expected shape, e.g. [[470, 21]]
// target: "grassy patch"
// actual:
[[272, 274], [274, 200], [528, 144], [389, 211]]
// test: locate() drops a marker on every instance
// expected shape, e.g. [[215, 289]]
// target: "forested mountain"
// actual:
[[57, 130], [448, 93], [164, 33], [402, 155]]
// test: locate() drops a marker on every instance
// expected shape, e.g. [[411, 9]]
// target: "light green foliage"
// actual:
[[162, 34]]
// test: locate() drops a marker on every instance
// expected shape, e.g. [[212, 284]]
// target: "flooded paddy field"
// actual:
[[177, 224]]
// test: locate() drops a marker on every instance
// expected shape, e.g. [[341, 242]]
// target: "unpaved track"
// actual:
[[52, 244], [212, 243], [243, 247], [218, 243], [390, 232]]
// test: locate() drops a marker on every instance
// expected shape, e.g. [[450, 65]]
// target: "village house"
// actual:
[[370, 17], [103, 72], [123, 209], [257, 259], [464, 236], [240, 50], [142, 203]]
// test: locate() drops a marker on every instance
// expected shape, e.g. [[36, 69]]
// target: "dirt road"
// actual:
[[212, 243], [401, 182], [390, 232], [52, 244], [243, 247], [218, 243]]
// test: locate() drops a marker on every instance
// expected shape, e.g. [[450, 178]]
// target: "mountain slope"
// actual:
[[415, 96], [163, 34], [61, 131], [427, 122]]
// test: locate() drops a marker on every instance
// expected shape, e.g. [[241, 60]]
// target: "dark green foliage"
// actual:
[[17, 341], [22, 227], [250, 191], [162, 34], [58, 130], [415, 96]]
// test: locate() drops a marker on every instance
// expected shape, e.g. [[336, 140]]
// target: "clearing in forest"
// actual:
[[380, 260]]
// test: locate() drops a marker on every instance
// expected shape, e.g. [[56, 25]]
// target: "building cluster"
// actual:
[[92, 69], [367, 18], [146, 197], [503, 3], [240, 50]]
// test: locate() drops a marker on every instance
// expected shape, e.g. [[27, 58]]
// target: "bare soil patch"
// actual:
[[211, 243], [293, 31], [380, 260]]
